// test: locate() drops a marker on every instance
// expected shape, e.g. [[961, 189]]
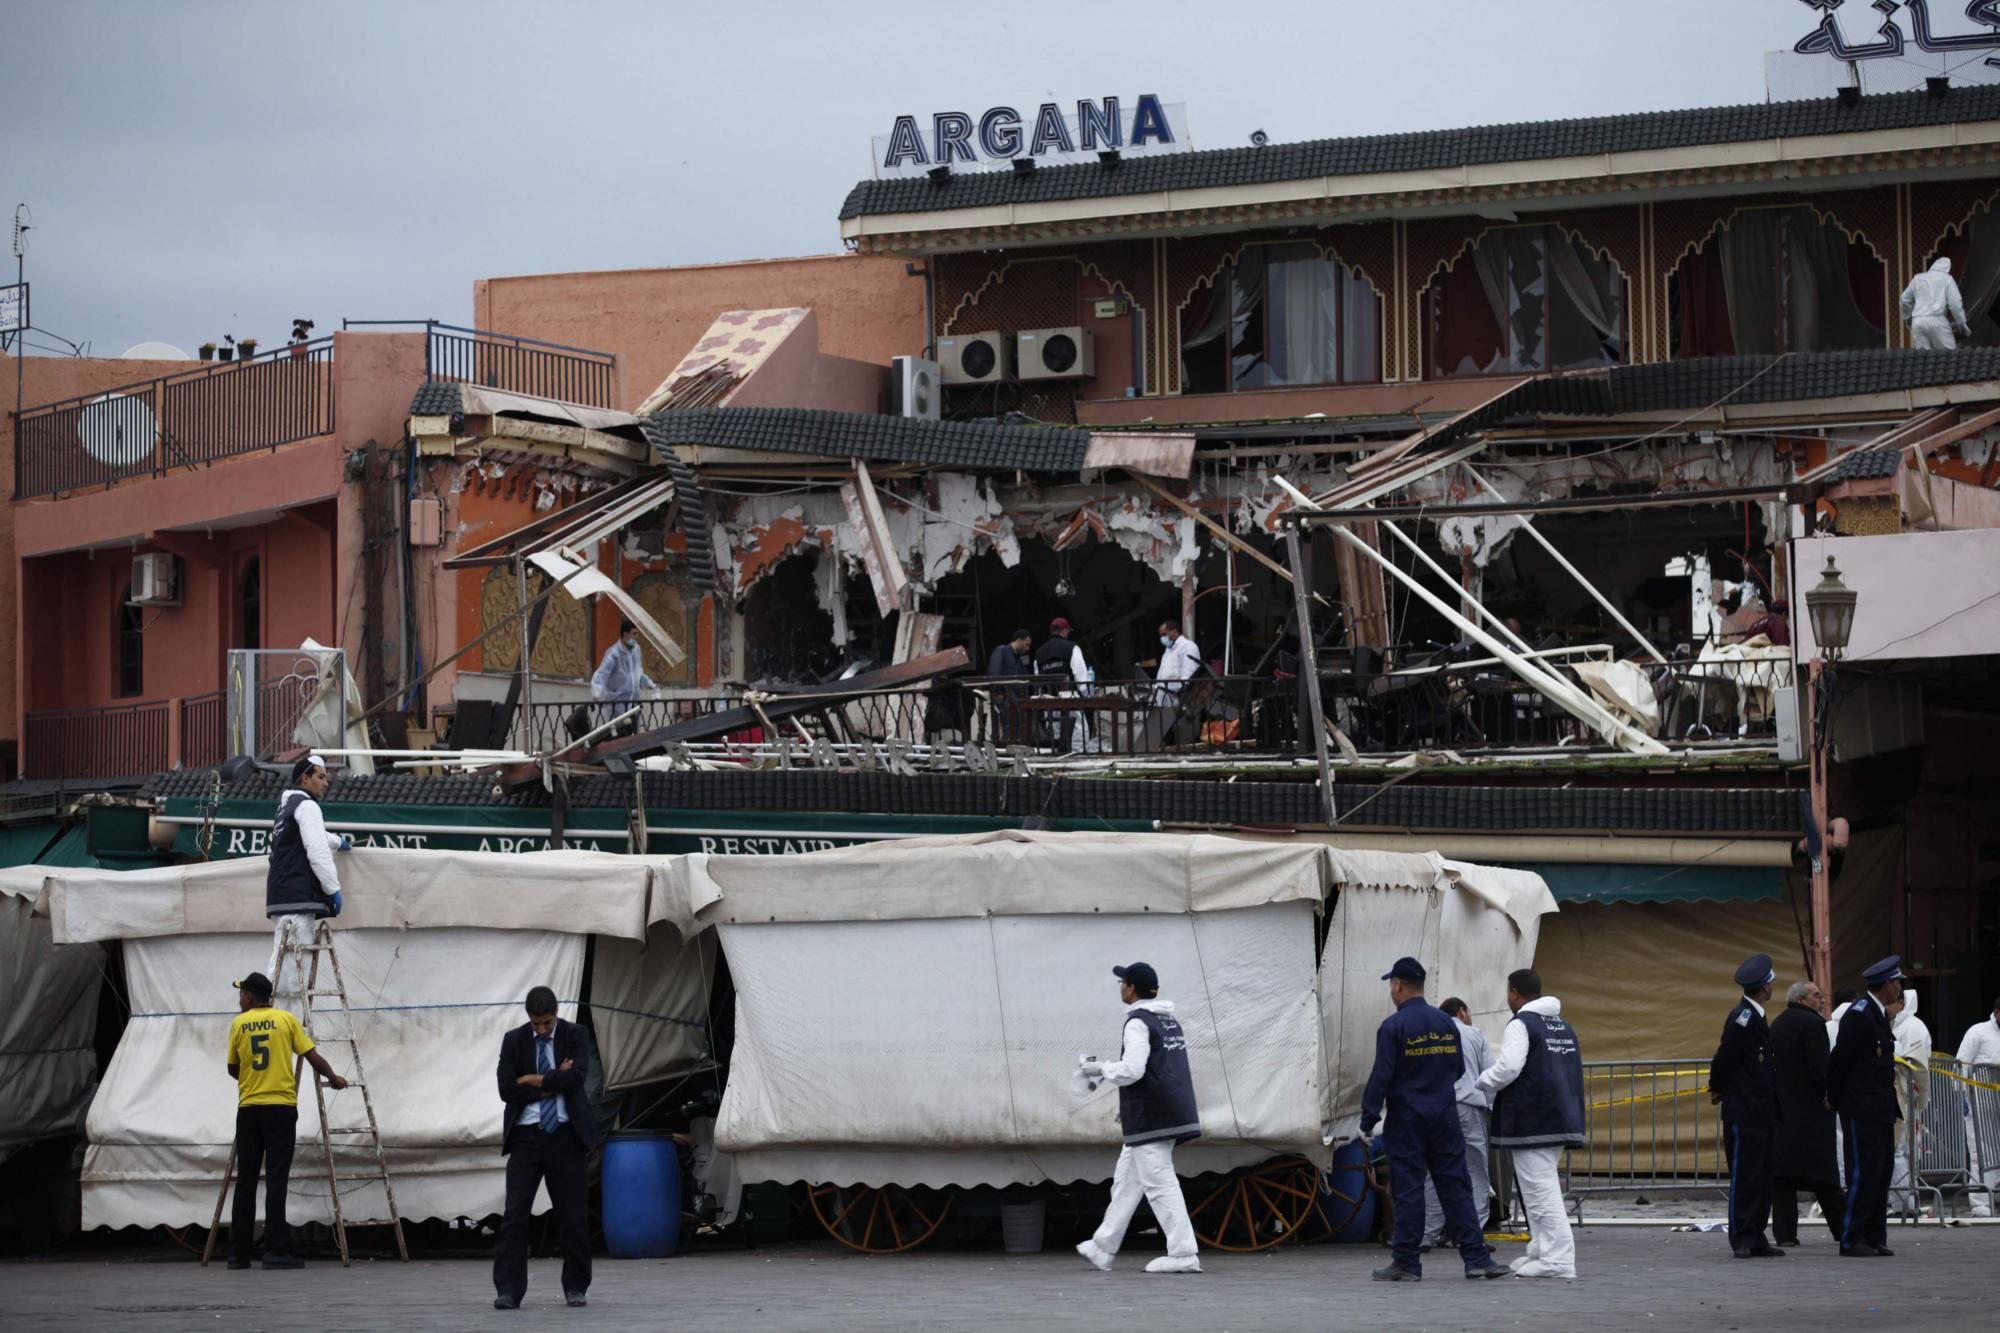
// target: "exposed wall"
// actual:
[[868, 309]]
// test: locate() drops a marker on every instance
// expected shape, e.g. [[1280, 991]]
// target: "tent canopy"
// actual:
[[572, 893]]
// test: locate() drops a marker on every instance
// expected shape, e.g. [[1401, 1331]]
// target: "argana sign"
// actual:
[[1003, 134]]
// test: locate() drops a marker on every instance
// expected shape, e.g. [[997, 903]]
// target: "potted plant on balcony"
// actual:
[[246, 348], [226, 352], [301, 335], [208, 351]]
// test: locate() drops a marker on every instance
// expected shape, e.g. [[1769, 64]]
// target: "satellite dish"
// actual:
[[154, 352], [117, 430]]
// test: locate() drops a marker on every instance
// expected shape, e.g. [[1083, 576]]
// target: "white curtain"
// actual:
[[1304, 310], [1361, 327], [1589, 286]]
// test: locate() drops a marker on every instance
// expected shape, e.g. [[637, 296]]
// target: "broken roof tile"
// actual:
[[1868, 465]]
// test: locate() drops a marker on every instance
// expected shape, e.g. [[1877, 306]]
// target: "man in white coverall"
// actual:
[[301, 885], [1979, 1060], [1156, 1110], [1932, 308], [1913, 1091]]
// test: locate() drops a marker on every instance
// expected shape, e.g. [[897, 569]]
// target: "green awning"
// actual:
[[72, 850], [1612, 882], [22, 844]]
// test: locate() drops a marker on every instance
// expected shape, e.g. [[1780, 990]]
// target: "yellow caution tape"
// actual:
[[1956, 1078], [1645, 1097]]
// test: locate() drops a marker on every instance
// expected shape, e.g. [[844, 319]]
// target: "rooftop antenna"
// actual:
[[23, 219]]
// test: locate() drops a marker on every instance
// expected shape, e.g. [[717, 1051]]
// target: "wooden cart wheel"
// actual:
[[887, 1220], [1258, 1207]]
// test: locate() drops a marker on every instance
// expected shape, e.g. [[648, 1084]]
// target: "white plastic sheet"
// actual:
[[938, 1051], [432, 1007], [48, 1021]]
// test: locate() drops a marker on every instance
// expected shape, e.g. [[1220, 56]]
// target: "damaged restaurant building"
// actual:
[[1490, 470]]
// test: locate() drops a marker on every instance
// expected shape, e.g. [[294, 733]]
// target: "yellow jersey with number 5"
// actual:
[[264, 1045]]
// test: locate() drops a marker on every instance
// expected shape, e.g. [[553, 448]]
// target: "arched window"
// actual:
[[250, 605], [131, 659], [1281, 315], [1525, 299], [1776, 280]]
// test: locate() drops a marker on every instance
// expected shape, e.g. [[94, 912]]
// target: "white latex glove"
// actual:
[[1091, 1069]]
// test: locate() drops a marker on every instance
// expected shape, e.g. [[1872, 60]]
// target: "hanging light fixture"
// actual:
[[1831, 606]]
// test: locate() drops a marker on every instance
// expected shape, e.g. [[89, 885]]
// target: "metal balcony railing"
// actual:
[[522, 365], [124, 740], [188, 420]]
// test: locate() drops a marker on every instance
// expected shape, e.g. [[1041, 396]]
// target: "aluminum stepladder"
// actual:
[[292, 956]]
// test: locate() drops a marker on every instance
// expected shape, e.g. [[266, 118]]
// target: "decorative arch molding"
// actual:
[[995, 277], [1962, 207], [969, 283]]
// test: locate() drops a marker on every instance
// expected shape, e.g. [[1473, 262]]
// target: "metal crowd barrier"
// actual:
[[1651, 1130]]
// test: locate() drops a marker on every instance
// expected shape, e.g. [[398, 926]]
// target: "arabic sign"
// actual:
[[14, 308], [1003, 134], [1889, 40]]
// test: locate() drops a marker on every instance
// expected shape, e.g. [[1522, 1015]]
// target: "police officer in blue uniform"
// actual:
[[1742, 1078], [1417, 1066], [1861, 1085]]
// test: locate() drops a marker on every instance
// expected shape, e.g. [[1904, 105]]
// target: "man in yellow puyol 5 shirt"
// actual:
[[264, 1046]]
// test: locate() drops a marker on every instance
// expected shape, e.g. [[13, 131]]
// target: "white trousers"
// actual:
[[1933, 333], [1900, 1197], [301, 925], [1980, 1203], [1146, 1170], [1471, 1119], [1539, 1170]]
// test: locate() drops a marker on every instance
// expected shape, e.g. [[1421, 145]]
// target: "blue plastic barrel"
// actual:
[[642, 1196], [1345, 1200]]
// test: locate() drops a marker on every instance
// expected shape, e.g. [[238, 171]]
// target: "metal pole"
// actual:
[[1309, 670], [1822, 887], [527, 709]]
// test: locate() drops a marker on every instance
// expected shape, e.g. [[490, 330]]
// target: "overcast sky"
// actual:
[[197, 169]]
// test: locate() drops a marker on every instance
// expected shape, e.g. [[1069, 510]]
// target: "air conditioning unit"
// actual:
[[154, 582], [1056, 354], [976, 358], [916, 382]]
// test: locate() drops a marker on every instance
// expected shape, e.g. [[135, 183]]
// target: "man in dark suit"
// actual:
[[1741, 1078], [1861, 1085], [1803, 1158], [549, 1134]]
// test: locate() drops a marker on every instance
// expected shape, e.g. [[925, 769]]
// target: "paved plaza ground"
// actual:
[[1632, 1278]]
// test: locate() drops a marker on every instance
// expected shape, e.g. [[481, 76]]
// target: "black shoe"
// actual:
[[1766, 1252], [1426, 1248], [1885, 1251], [506, 1302], [1743, 1252], [1397, 1273], [1860, 1252], [236, 1264], [1792, 1244], [1488, 1269], [575, 1299], [283, 1261]]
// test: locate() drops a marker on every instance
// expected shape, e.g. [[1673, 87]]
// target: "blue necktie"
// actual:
[[545, 1064]]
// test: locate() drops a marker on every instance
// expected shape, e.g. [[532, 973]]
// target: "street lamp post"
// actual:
[[1831, 607]]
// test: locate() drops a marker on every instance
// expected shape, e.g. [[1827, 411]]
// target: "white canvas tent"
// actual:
[[910, 1012], [438, 949], [48, 1020]]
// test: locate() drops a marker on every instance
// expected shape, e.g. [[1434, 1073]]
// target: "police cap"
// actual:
[[1884, 972], [1756, 972], [1407, 969]]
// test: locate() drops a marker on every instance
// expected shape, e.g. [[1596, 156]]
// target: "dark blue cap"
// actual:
[[1889, 969], [1407, 969], [1140, 977], [1756, 972]]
